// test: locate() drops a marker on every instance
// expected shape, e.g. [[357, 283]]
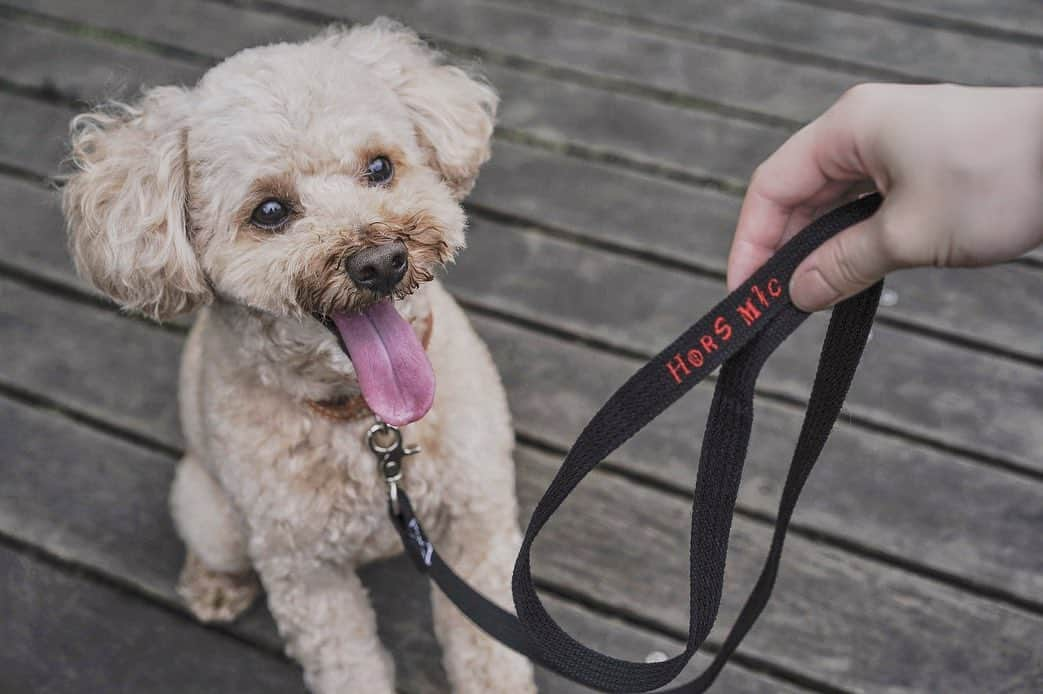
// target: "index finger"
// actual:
[[812, 167]]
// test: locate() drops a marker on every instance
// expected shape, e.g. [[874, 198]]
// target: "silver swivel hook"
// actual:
[[385, 440]]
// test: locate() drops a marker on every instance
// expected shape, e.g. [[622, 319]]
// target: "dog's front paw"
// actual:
[[215, 596]]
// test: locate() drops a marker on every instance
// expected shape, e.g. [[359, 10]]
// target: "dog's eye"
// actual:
[[379, 170], [270, 214]]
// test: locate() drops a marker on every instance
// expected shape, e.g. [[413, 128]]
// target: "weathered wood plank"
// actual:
[[693, 143], [35, 133], [558, 402], [686, 224], [35, 242], [55, 348], [879, 42], [64, 634], [30, 56], [189, 25], [554, 387], [100, 502], [1021, 16]]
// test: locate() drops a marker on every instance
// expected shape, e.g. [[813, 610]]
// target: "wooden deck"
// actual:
[[600, 229]]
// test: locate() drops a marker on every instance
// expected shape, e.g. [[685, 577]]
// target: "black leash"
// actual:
[[740, 333]]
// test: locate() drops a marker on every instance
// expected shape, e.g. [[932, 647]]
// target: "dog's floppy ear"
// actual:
[[125, 205], [454, 111]]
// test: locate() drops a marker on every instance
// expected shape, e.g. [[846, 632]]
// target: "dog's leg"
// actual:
[[216, 582], [324, 615], [482, 547]]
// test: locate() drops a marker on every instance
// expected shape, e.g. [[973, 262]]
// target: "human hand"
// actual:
[[960, 168]]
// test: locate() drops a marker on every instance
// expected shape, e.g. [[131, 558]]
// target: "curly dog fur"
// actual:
[[159, 212]]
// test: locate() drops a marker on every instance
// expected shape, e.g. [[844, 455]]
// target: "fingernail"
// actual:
[[810, 291]]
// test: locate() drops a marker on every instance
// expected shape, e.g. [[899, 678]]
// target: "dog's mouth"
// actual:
[[391, 364]]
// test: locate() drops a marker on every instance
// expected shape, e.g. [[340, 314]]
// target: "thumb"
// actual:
[[843, 266]]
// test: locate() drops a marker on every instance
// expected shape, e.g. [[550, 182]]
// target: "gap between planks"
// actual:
[[928, 19], [691, 34], [701, 37]]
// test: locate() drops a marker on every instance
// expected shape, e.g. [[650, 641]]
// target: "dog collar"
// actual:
[[346, 409]]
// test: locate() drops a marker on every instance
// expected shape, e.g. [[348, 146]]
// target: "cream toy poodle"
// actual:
[[303, 196]]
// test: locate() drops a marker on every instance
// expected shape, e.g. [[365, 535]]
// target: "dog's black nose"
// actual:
[[380, 268]]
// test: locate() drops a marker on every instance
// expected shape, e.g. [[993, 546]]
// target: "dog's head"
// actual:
[[315, 179]]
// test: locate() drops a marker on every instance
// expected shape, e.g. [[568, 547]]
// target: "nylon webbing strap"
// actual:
[[740, 332]]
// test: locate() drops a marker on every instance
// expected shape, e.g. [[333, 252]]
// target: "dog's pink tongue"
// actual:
[[392, 367]]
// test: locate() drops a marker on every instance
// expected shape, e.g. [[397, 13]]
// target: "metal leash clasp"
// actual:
[[385, 440]]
